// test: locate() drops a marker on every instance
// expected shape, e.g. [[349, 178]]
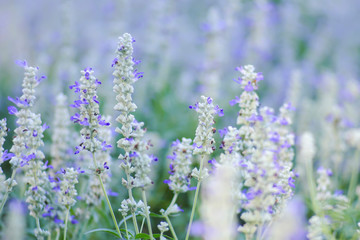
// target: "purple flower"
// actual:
[[219, 111], [106, 166], [175, 143], [73, 220], [234, 101], [137, 74], [45, 126], [223, 132], [18, 102], [48, 166], [153, 158], [21, 63], [172, 157], [291, 182], [12, 110], [97, 82], [238, 80], [76, 86], [114, 62], [87, 73], [259, 77], [35, 133], [58, 220], [133, 154], [105, 146], [102, 122], [111, 193], [136, 62], [249, 87], [209, 100], [195, 107], [167, 181], [79, 170], [95, 100], [34, 188], [7, 156]]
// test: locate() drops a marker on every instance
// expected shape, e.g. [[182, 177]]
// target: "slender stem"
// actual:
[[132, 211], [311, 185], [57, 234], [66, 221], [354, 177], [142, 224], [107, 198], [127, 234], [7, 190], [166, 215], [171, 204], [111, 210], [171, 227], [147, 214], [195, 198]]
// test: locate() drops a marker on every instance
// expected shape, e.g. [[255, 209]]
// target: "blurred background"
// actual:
[[308, 52]]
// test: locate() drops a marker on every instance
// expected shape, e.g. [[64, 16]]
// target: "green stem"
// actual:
[[142, 224], [108, 203], [354, 177], [107, 198], [57, 234], [311, 185], [127, 234], [8, 190], [66, 221], [166, 215], [195, 198], [147, 214], [171, 227], [132, 211]]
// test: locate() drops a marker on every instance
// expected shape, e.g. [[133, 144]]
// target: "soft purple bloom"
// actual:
[[21, 63], [209, 100], [154, 158], [219, 111], [76, 86], [195, 107], [35, 133], [234, 101], [137, 74], [105, 146], [58, 220], [75, 118], [136, 62], [79, 170], [106, 166], [133, 154], [222, 132], [48, 166], [34, 188], [291, 182], [238, 80], [45, 126], [249, 87], [259, 77], [114, 62], [175, 143], [7, 155], [167, 181], [12, 110], [95, 100], [73, 220], [111, 193], [18, 102]]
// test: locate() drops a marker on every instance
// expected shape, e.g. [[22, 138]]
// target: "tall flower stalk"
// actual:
[[203, 144], [91, 120], [135, 162]]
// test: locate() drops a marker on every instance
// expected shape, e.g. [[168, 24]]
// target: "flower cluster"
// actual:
[[61, 133], [3, 134], [262, 148], [67, 186], [89, 116], [204, 139], [180, 166], [135, 161]]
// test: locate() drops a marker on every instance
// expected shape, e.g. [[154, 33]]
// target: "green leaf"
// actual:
[[142, 235], [156, 215], [113, 232], [124, 232]]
